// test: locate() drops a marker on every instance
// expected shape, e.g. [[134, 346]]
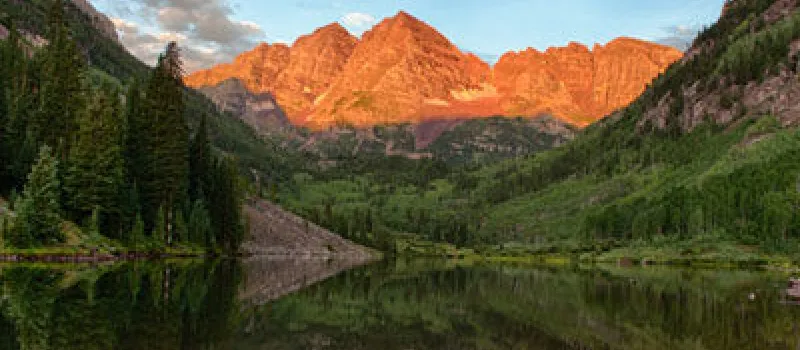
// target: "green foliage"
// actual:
[[38, 211], [62, 86], [226, 215], [199, 225], [749, 57], [17, 146], [164, 138], [95, 177], [120, 164], [200, 161], [181, 230]]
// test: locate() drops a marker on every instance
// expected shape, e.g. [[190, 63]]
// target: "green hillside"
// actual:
[[111, 61], [653, 180]]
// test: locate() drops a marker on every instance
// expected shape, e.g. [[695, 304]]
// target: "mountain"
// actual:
[[297, 75], [452, 141], [576, 83], [701, 166], [404, 70], [259, 110], [98, 19]]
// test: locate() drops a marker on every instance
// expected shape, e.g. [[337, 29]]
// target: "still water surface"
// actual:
[[417, 304]]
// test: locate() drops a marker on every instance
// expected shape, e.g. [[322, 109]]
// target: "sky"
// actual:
[[215, 31]]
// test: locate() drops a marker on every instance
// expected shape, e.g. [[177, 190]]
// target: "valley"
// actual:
[[375, 185], [695, 168]]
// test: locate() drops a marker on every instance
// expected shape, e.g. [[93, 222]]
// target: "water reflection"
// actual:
[[132, 306], [419, 304]]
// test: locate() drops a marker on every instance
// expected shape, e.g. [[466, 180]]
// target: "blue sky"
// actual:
[[488, 27]]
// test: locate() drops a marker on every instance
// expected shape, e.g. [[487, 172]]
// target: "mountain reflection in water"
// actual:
[[414, 304]]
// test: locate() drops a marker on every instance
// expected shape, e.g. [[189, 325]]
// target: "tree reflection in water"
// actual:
[[419, 304]]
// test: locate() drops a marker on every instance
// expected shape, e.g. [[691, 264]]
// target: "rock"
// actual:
[[577, 84], [277, 233], [315, 61], [401, 71], [99, 20], [259, 110], [297, 75], [404, 70]]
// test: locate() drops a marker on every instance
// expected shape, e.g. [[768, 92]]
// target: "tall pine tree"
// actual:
[[200, 162], [164, 140], [61, 95], [38, 210], [95, 175], [17, 151], [226, 215]]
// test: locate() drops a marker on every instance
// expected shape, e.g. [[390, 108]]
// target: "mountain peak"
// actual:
[[404, 70], [404, 15], [334, 27]]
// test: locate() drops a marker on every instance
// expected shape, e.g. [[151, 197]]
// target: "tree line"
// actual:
[[118, 159]]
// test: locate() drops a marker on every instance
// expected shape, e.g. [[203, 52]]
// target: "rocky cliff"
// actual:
[[576, 83], [98, 19], [297, 75], [259, 110], [404, 70]]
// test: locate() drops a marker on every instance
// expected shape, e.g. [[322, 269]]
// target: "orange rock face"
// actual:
[[403, 70], [315, 61], [399, 68], [577, 84], [296, 75]]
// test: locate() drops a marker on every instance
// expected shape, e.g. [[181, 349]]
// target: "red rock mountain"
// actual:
[[296, 75], [577, 84], [403, 70]]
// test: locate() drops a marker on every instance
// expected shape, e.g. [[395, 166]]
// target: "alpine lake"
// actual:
[[391, 304]]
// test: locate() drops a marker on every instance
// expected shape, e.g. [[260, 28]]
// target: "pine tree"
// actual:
[[61, 95], [181, 229], [199, 225], [93, 228], [95, 175], [160, 226], [226, 215], [38, 211], [134, 123], [137, 232], [165, 138], [17, 148], [199, 161]]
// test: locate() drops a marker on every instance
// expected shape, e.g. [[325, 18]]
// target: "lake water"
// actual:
[[407, 304]]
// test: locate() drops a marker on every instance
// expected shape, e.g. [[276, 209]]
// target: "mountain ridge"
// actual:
[[404, 70]]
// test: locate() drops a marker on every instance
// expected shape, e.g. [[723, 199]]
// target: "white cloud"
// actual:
[[204, 29], [679, 36], [358, 20]]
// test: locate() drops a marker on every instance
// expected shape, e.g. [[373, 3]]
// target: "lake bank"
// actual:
[[724, 255]]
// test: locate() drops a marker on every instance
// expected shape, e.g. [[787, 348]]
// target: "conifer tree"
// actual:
[[134, 123], [38, 211], [199, 225], [200, 161], [165, 138], [160, 226], [61, 95], [226, 215], [95, 175], [17, 152], [181, 231], [137, 232]]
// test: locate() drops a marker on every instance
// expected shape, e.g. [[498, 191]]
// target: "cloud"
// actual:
[[679, 36], [204, 29], [358, 20]]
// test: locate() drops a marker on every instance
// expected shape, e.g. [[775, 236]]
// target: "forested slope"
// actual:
[[707, 156]]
